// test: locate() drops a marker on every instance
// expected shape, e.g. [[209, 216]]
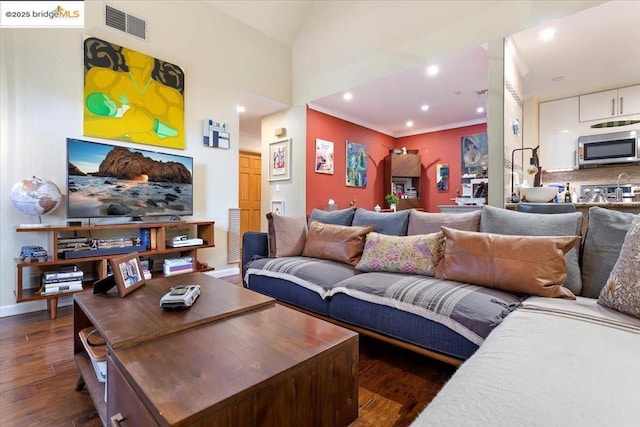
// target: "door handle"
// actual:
[[613, 106], [621, 105]]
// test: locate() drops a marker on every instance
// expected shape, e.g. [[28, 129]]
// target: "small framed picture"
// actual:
[[277, 207], [280, 160], [127, 271]]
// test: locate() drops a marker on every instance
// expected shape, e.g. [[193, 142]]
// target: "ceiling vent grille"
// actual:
[[122, 21]]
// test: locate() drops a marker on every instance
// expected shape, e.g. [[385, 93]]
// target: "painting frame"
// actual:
[[277, 207], [324, 161], [127, 272], [132, 96], [356, 165], [280, 160], [474, 155]]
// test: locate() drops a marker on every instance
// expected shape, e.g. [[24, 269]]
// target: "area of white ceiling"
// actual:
[[594, 49]]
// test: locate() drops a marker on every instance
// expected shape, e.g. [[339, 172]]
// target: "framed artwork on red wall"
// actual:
[[356, 164], [324, 156]]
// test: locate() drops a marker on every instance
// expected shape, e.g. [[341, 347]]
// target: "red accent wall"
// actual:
[[435, 147], [322, 187], [439, 147]]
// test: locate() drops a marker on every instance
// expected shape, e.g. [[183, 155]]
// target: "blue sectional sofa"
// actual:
[[422, 308]]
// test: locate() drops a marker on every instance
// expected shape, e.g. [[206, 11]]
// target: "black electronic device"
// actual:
[[103, 286], [106, 181]]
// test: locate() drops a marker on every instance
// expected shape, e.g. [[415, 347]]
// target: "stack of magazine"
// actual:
[[68, 278]]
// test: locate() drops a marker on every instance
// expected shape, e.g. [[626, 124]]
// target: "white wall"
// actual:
[[41, 99]]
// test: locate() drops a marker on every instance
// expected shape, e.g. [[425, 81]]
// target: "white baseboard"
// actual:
[[31, 306], [224, 273]]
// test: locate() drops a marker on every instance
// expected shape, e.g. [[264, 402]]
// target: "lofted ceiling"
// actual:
[[594, 49]]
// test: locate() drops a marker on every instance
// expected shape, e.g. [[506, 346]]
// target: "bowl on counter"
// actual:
[[538, 194]]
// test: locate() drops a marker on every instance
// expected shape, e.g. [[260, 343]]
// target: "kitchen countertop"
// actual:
[[586, 205]]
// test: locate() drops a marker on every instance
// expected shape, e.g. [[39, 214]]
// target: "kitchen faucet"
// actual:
[[619, 191]]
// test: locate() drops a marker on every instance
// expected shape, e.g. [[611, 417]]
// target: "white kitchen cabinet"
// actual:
[[610, 104], [558, 133]]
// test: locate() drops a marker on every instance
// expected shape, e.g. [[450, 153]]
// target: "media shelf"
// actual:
[[97, 261]]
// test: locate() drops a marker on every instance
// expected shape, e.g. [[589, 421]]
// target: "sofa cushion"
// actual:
[[622, 291], [601, 248], [533, 265], [316, 275], [469, 310], [392, 223], [335, 242], [430, 222], [503, 221], [402, 254], [340, 217], [287, 235]]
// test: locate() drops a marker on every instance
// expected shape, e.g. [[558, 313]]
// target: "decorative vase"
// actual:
[[393, 206]]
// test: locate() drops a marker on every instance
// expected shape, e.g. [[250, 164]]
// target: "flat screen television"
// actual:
[[106, 181]]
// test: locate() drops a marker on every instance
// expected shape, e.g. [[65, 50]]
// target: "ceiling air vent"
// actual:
[[122, 21]]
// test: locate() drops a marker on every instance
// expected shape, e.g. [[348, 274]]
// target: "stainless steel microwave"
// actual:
[[609, 148]]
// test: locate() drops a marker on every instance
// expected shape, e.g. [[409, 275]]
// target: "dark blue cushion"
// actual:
[[341, 217], [401, 325], [391, 223]]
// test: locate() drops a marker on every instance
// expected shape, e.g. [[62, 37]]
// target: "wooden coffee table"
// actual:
[[235, 358]]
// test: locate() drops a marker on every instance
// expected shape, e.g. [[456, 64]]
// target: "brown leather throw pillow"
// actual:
[[286, 235], [532, 265], [340, 243]]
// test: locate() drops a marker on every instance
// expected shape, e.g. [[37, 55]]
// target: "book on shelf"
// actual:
[[181, 260], [61, 275], [65, 283], [62, 288]]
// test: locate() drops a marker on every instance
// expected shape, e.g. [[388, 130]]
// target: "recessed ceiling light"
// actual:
[[409, 123], [241, 109], [425, 107], [480, 109], [347, 96], [432, 70], [546, 34]]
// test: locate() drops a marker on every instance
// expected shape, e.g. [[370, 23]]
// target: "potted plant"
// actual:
[[392, 199]]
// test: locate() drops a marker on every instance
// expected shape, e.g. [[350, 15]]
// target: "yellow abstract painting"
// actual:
[[130, 96]]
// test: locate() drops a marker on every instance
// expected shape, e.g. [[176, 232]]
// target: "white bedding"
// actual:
[[576, 365]]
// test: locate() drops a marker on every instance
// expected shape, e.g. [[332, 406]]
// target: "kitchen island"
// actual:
[[631, 207]]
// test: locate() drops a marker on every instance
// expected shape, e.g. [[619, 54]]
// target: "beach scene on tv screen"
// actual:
[[106, 180]]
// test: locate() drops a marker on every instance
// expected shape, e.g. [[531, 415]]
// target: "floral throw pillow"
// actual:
[[622, 291], [402, 254]]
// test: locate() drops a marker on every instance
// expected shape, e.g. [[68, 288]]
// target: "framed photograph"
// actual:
[[277, 207], [280, 160], [324, 156], [475, 155], [127, 271]]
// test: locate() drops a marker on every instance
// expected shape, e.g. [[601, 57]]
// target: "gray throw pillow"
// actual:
[[602, 244], [504, 221], [340, 217], [430, 222], [390, 223]]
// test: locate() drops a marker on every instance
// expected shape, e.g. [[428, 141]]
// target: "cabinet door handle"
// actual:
[[613, 106], [621, 105], [115, 420]]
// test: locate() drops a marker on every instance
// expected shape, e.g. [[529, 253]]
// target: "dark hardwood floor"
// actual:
[[38, 377]]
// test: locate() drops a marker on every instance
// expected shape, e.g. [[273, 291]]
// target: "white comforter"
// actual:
[[552, 363]]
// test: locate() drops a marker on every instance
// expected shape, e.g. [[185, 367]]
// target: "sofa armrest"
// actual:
[[253, 244]]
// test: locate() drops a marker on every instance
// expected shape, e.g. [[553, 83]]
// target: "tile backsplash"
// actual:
[[593, 176]]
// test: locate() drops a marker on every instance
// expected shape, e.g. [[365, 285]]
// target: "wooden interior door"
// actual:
[[250, 182]]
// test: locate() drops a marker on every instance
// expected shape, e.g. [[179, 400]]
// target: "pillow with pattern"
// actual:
[[622, 291], [402, 254]]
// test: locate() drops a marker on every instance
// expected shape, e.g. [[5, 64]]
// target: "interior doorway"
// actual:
[[249, 193]]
